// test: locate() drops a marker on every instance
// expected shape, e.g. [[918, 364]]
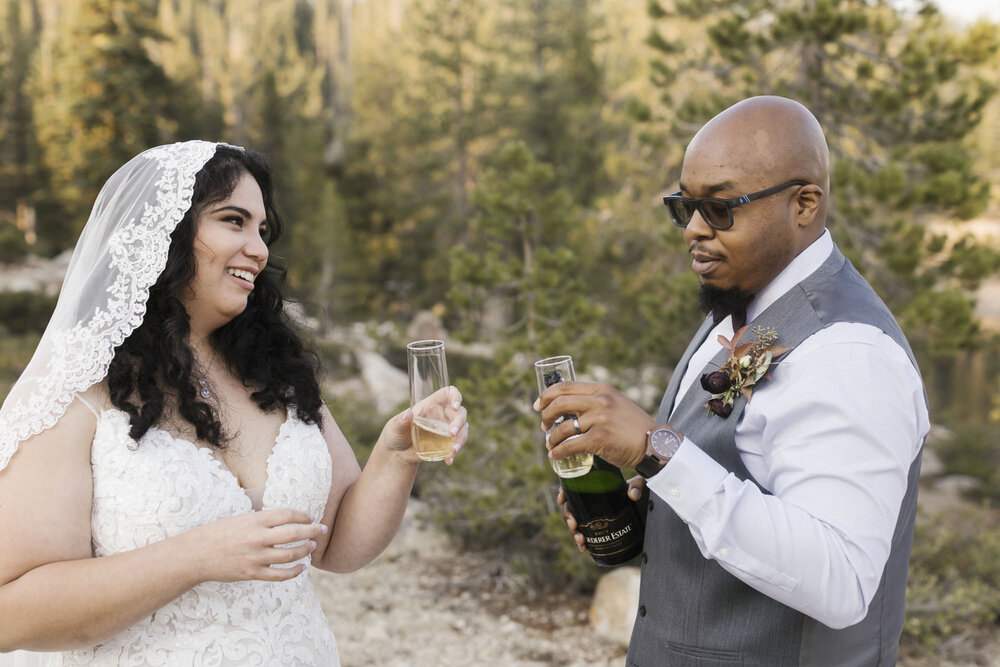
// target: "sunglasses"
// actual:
[[718, 213]]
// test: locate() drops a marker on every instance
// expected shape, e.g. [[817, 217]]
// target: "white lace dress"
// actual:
[[165, 486]]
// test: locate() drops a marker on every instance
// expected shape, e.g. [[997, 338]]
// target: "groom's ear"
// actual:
[[808, 203]]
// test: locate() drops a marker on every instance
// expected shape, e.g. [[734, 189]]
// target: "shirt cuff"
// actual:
[[688, 481]]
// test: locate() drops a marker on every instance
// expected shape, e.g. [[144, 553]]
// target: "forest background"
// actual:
[[499, 166]]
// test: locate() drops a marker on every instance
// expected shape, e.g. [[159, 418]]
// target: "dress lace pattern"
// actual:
[[166, 486]]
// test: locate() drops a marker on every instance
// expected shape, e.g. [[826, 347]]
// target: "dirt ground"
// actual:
[[423, 604]]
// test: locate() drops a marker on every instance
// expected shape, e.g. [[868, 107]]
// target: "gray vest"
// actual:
[[692, 613]]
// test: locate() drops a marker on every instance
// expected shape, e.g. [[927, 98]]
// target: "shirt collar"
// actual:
[[800, 268]]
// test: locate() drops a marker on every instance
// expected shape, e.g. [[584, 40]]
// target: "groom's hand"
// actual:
[[610, 425], [637, 492], [570, 521]]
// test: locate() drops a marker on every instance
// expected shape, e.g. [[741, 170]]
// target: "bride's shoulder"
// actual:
[[96, 399]]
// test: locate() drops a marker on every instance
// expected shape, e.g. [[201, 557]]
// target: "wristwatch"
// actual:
[[661, 444]]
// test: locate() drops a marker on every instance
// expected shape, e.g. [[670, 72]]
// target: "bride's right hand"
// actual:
[[245, 547]]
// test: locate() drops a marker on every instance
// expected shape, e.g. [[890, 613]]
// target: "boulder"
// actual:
[[388, 385], [425, 326], [35, 274], [613, 609]]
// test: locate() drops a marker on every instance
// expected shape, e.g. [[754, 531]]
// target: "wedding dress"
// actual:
[[149, 491], [163, 486]]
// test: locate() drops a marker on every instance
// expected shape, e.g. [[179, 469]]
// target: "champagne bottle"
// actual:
[[605, 515]]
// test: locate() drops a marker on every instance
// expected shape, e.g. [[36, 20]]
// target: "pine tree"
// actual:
[[20, 175], [102, 101], [897, 96], [415, 145], [549, 88], [518, 269]]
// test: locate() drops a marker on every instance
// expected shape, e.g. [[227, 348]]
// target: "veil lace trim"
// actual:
[[121, 253]]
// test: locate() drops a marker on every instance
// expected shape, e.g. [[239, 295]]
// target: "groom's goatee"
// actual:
[[722, 302]]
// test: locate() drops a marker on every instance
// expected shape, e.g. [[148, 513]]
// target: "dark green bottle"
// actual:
[[609, 521], [607, 518]]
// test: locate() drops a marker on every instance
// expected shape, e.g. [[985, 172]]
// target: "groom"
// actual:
[[778, 530]]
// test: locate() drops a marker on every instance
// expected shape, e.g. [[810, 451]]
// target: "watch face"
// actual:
[[664, 442]]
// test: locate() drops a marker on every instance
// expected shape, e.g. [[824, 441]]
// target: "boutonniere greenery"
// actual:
[[748, 364]]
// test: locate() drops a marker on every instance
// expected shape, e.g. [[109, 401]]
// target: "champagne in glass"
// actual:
[[428, 373], [548, 372]]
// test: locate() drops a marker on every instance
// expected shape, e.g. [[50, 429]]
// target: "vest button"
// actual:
[[643, 558], [650, 505], [642, 610]]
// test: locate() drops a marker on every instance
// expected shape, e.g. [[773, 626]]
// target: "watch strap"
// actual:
[[649, 466]]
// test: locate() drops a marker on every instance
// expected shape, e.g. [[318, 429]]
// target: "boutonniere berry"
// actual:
[[747, 365]]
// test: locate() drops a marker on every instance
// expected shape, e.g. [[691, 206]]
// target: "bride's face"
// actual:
[[229, 253]]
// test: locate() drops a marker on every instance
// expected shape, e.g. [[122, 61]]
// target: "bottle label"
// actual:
[[607, 536]]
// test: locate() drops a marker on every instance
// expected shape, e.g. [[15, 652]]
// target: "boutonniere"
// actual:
[[747, 364]]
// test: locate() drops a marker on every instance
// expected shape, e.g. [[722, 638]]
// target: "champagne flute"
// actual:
[[428, 371], [548, 372]]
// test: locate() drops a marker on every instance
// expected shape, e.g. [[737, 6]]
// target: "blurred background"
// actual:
[[490, 172]]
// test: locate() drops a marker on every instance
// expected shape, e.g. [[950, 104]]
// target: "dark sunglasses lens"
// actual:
[[680, 211], [716, 214]]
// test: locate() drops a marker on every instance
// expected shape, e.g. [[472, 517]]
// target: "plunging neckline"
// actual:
[[220, 465], [209, 453]]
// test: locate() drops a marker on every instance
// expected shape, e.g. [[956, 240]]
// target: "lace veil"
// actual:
[[120, 254]]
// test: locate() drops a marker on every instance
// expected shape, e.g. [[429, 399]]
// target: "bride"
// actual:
[[168, 469]]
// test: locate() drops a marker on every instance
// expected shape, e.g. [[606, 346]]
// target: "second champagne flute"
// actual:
[[548, 372], [428, 373]]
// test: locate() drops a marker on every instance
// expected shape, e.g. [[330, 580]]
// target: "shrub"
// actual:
[[12, 244], [15, 352], [974, 450], [954, 583], [25, 312]]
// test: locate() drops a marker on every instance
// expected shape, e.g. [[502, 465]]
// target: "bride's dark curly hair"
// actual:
[[259, 345]]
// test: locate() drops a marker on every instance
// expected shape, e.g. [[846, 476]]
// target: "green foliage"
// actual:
[[12, 244], [20, 173], [25, 312], [954, 581], [15, 352], [520, 262], [102, 101], [974, 450], [897, 97], [942, 322]]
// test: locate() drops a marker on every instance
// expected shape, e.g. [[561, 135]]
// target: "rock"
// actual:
[[353, 388], [418, 537], [376, 630], [958, 484], [612, 612], [938, 434], [35, 274], [389, 385], [297, 314], [946, 494], [426, 326], [597, 373], [930, 464]]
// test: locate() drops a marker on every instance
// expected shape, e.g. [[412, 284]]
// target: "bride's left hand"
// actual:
[[397, 434]]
